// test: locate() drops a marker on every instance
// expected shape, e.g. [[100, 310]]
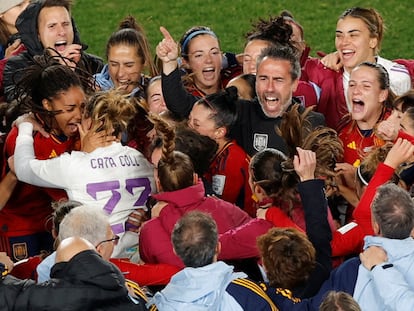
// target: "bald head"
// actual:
[[70, 247]]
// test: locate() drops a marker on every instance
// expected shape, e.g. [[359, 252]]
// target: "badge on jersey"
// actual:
[[218, 183], [260, 141], [20, 251]]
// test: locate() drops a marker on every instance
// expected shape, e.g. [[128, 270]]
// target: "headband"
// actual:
[[362, 179], [192, 35]]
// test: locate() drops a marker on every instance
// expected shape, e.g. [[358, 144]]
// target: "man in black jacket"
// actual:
[[277, 77], [81, 280]]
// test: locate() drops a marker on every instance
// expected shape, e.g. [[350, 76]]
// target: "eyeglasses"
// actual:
[[114, 240]]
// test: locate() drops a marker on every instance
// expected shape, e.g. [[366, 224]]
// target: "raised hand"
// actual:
[[387, 130], [401, 152], [167, 49], [305, 164], [167, 52]]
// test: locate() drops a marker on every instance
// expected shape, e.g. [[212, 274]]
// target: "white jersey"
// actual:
[[400, 80], [117, 178]]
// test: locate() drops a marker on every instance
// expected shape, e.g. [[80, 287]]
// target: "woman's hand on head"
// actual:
[[93, 140], [402, 151]]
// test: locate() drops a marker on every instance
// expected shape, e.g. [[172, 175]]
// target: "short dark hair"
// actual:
[[195, 239], [393, 211], [282, 53]]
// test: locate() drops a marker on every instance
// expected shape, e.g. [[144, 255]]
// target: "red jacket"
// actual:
[[155, 238], [332, 100]]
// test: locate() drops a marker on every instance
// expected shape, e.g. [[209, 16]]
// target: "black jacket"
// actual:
[[253, 130], [26, 25], [86, 282]]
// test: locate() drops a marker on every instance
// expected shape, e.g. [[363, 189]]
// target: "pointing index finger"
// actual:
[[166, 34]]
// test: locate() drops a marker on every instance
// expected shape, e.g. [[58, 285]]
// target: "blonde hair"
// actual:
[[110, 111]]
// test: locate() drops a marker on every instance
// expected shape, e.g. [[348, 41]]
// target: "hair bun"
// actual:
[[232, 93]]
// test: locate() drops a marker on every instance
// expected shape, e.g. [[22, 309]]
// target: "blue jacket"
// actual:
[[212, 287], [400, 253]]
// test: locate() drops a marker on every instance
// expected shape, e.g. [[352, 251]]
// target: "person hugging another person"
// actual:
[[116, 178], [55, 96]]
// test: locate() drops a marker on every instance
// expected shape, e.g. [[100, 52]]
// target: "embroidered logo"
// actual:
[[260, 141], [20, 251]]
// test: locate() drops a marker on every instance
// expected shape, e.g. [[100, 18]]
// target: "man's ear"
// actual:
[[195, 178], [218, 248], [376, 228]]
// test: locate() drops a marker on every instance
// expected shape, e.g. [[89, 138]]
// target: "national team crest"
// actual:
[[260, 141], [20, 251]]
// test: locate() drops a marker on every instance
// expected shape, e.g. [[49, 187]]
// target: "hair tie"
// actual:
[[362, 179], [191, 36]]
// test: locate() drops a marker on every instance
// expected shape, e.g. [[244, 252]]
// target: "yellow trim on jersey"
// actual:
[[256, 289], [153, 308], [136, 289], [288, 294]]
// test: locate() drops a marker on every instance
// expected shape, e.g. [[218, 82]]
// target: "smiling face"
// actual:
[[125, 67], [251, 52], [155, 99], [70, 103], [354, 43], [366, 96], [204, 60], [55, 28], [274, 86]]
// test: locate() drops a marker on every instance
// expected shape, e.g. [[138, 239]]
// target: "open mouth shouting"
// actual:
[[209, 73], [60, 46]]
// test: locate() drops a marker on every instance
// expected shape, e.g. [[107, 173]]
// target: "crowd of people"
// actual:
[[262, 179]]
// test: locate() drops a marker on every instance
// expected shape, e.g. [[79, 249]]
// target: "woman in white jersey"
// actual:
[[115, 177]]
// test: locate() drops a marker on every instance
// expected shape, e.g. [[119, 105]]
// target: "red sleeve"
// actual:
[[406, 136], [240, 243], [236, 172], [279, 219], [362, 213], [349, 239], [146, 274]]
